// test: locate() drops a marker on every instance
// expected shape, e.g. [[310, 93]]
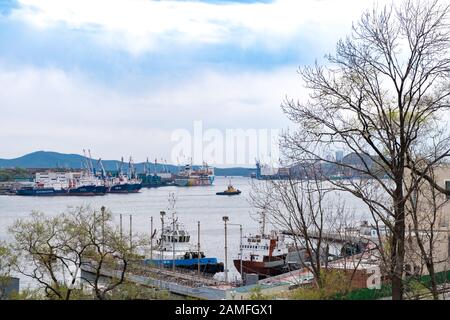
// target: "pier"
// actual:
[[178, 282], [187, 284]]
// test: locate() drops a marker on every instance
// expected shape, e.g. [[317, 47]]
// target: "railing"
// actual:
[[184, 277]]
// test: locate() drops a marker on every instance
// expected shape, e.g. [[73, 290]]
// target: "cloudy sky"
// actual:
[[119, 76]]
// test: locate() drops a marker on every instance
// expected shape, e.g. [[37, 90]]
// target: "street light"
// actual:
[[173, 241], [225, 220], [151, 239], [240, 247], [162, 213]]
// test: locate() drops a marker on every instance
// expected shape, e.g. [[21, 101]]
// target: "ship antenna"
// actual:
[[146, 168], [90, 162], [121, 167], [85, 164]]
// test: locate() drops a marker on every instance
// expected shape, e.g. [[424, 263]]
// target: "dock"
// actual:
[[335, 237], [187, 284]]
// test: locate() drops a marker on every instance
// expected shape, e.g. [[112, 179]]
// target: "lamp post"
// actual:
[[121, 234], [173, 241], [198, 248], [240, 248], [151, 239], [162, 213], [103, 227], [225, 220], [131, 233]]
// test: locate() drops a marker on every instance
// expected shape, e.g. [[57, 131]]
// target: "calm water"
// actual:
[[193, 204]]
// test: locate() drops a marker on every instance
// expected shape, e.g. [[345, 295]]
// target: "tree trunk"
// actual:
[[398, 242]]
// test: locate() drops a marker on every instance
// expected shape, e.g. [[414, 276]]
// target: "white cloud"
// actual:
[[141, 25], [47, 109]]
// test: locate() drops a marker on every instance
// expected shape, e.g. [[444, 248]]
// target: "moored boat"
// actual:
[[51, 183], [264, 254], [125, 183], [174, 251], [40, 191]]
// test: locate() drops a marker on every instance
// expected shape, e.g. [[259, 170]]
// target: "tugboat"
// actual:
[[231, 191], [263, 254], [173, 250]]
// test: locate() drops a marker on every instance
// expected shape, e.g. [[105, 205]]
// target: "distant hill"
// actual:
[[48, 159]]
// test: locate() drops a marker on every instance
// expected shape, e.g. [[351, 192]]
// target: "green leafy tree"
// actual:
[[52, 251], [6, 261]]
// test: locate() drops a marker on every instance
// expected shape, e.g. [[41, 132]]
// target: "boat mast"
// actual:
[[151, 238], [130, 169], [120, 173], [172, 201], [102, 168], [90, 163], [198, 248], [146, 168], [86, 165], [173, 241]]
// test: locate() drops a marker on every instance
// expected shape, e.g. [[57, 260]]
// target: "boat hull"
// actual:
[[40, 192], [194, 181], [125, 188], [87, 191], [207, 265], [224, 193], [51, 192], [263, 269]]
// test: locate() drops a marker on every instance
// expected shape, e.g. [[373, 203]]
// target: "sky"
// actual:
[[119, 77]]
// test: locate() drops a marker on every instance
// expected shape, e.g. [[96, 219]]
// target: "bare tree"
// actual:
[[382, 94], [318, 223]]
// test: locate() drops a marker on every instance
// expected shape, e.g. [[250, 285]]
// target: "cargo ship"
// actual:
[[63, 184], [174, 250], [266, 172], [40, 191], [188, 177]]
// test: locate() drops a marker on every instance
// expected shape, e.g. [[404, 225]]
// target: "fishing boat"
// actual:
[[263, 254], [155, 179], [63, 184], [173, 250], [40, 190], [125, 183], [231, 191]]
